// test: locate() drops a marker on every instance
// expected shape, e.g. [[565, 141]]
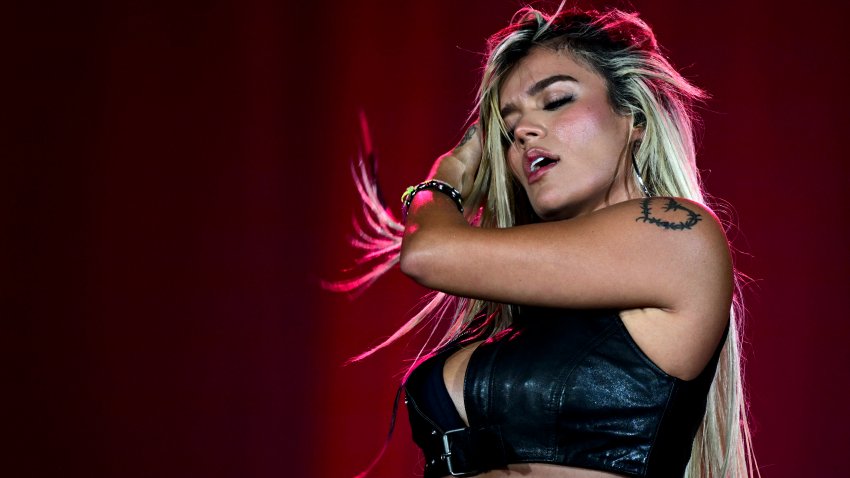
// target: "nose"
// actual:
[[528, 130]]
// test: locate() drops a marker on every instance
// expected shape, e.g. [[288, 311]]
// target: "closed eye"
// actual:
[[550, 106], [553, 105]]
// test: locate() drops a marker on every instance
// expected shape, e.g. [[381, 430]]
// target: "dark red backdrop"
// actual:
[[175, 185]]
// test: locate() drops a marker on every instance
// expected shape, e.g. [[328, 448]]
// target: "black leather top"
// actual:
[[560, 387]]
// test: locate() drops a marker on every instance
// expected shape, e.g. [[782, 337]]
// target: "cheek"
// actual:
[[514, 162], [577, 127], [593, 134]]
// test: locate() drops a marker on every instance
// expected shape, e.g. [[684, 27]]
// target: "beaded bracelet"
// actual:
[[434, 184]]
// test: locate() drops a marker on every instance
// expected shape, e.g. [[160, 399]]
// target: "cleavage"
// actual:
[[454, 373]]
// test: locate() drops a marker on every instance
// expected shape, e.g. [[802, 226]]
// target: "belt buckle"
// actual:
[[447, 454]]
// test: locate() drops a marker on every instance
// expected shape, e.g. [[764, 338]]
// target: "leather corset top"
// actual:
[[560, 387]]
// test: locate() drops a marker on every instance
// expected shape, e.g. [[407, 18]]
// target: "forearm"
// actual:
[[434, 224], [433, 221]]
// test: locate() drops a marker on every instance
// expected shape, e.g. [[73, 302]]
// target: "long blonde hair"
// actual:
[[641, 83]]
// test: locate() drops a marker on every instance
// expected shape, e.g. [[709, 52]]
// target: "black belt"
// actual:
[[466, 452]]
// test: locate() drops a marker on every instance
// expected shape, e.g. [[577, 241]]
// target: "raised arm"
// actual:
[[667, 253]]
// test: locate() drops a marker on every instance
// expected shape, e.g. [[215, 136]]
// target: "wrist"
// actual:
[[432, 184], [449, 169]]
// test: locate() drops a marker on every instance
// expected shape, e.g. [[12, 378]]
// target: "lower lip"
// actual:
[[537, 174]]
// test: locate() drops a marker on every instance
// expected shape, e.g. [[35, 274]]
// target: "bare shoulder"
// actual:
[[672, 251], [685, 236]]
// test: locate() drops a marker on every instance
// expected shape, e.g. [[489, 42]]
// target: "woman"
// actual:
[[588, 286]]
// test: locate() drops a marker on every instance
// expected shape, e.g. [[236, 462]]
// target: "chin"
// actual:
[[562, 208], [551, 214], [552, 208], [560, 204]]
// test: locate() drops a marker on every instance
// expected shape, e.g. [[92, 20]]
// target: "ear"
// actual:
[[637, 133]]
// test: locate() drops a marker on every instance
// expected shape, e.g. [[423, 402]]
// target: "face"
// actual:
[[569, 149]]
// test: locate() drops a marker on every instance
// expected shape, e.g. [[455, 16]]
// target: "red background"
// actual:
[[175, 185]]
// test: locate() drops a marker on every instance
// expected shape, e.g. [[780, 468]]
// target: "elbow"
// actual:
[[409, 266], [414, 259], [430, 255], [410, 259]]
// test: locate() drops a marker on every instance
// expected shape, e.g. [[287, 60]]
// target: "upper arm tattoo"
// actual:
[[670, 204]]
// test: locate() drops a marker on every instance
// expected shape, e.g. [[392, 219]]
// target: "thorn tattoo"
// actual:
[[466, 137], [671, 205]]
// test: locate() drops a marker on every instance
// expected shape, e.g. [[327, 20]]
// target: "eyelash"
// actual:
[[550, 106], [555, 104]]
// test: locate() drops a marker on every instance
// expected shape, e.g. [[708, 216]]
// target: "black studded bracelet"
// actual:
[[434, 184]]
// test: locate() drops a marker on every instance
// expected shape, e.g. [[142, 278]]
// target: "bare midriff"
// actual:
[[541, 470]]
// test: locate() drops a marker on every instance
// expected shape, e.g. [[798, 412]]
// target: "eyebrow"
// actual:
[[537, 88]]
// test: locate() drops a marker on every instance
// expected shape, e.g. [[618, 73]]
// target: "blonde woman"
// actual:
[[589, 287]]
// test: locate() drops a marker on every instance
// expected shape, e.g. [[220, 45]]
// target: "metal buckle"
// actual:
[[447, 454]]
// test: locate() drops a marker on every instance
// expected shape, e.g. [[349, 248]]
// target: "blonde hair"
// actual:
[[641, 83]]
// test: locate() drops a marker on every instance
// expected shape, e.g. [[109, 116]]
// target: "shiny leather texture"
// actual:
[[568, 388]]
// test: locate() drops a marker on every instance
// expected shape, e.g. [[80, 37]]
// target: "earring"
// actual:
[[637, 172]]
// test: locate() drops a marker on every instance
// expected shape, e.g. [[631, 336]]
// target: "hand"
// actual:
[[459, 166]]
